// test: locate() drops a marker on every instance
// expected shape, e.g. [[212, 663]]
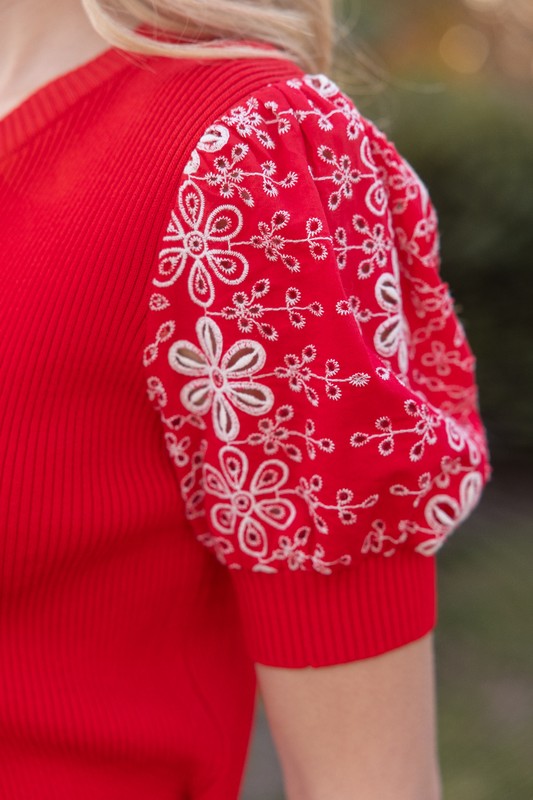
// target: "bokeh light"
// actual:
[[464, 48], [511, 28]]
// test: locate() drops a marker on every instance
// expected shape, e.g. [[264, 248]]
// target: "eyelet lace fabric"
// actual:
[[315, 385]]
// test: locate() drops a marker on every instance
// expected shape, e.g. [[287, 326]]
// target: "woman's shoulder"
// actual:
[[196, 91], [199, 93], [302, 135], [188, 111]]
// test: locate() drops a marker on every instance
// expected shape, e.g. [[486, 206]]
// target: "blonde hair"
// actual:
[[300, 30]]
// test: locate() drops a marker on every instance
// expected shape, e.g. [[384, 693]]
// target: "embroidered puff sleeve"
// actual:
[[315, 386]]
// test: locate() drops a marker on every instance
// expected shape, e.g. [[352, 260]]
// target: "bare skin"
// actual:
[[358, 731], [40, 40]]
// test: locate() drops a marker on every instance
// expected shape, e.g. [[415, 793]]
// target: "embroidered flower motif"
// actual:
[[158, 302], [198, 243], [457, 434], [274, 435], [284, 185], [248, 121], [354, 123], [214, 139], [378, 538], [443, 359], [283, 123], [323, 85], [424, 429], [246, 511], [299, 375], [391, 335], [407, 186], [228, 177], [220, 380], [296, 559], [156, 392], [163, 333], [376, 196], [376, 247], [344, 175], [271, 241], [444, 513], [177, 448], [271, 184]]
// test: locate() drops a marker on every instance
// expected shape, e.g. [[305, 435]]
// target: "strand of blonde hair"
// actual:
[[300, 30]]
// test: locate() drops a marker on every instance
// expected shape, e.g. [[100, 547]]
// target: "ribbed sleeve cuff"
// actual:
[[299, 619]]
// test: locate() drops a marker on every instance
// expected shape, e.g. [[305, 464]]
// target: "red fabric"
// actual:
[[126, 646], [316, 387]]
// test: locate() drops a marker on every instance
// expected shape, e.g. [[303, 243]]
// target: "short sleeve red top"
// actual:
[[238, 414], [315, 386]]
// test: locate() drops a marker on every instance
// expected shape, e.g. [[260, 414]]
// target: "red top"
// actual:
[[236, 238]]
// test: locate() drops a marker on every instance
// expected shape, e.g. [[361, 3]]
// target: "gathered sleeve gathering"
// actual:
[[316, 388]]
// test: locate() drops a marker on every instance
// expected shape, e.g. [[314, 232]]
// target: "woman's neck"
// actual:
[[40, 40]]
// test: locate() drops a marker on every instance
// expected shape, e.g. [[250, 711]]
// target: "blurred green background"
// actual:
[[452, 84]]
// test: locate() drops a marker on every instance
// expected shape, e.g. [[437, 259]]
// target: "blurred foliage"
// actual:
[[470, 137], [484, 652]]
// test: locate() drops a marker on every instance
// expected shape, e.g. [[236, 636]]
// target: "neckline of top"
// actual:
[[55, 96]]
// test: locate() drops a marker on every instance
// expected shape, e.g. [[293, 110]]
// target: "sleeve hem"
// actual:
[[302, 619]]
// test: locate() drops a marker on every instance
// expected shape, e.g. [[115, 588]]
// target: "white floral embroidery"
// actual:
[[376, 196], [443, 359], [274, 435], [300, 266], [344, 175], [271, 241], [249, 312], [425, 429], [289, 550], [246, 511], [309, 491], [191, 485], [156, 392], [228, 177], [177, 448], [221, 381], [214, 139], [378, 540], [322, 84], [195, 242], [299, 375], [164, 332], [444, 513], [449, 467], [392, 335], [158, 302], [376, 247], [248, 122]]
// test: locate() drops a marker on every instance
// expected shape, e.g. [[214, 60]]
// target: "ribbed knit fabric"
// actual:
[[123, 673], [126, 648]]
